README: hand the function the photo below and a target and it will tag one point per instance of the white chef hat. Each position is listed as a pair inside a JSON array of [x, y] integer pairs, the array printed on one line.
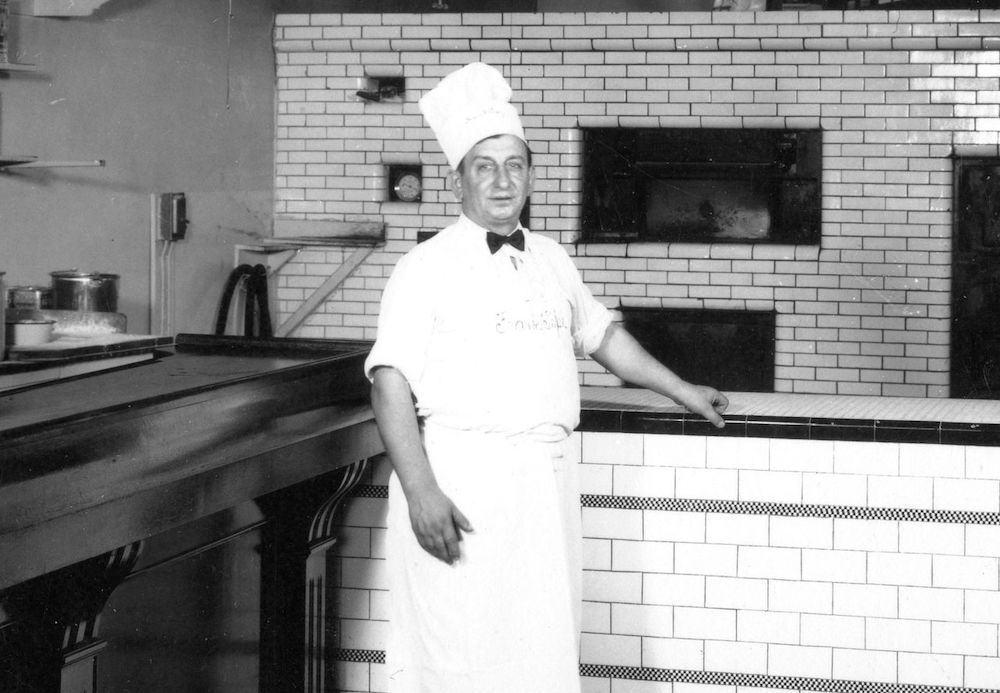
[[467, 106]]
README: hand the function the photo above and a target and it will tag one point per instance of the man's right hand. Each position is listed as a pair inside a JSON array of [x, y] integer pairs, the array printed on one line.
[[438, 524]]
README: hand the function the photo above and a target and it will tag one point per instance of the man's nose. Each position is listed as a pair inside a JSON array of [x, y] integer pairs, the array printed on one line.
[[502, 177]]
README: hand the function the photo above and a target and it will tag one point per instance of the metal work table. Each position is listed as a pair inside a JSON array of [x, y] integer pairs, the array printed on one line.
[[93, 467]]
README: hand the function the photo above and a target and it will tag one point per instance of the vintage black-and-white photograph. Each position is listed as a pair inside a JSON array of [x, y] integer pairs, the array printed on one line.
[[500, 346]]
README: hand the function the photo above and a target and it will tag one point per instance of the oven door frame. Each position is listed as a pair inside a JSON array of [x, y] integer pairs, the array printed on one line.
[[619, 163]]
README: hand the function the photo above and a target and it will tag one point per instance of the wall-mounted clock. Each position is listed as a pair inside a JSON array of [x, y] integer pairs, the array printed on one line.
[[405, 183]]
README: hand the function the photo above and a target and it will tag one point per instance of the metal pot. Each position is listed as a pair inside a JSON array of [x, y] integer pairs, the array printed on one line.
[[29, 332], [29, 297], [91, 291]]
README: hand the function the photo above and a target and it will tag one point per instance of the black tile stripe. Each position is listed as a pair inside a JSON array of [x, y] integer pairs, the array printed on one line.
[[716, 678], [625, 420], [788, 509]]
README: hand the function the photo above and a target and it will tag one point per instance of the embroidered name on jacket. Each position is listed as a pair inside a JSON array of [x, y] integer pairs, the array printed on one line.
[[537, 320]]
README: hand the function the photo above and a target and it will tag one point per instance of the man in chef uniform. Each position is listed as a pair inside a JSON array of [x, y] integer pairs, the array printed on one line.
[[475, 392]]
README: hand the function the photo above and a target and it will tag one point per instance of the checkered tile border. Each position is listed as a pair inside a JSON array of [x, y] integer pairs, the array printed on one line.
[[370, 491], [805, 683], [717, 678], [789, 509], [698, 505], [359, 656]]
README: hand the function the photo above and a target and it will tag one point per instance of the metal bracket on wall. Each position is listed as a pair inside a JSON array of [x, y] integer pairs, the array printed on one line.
[[294, 235], [351, 263]]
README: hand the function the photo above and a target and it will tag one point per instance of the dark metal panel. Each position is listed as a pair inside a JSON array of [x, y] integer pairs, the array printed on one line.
[[975, 293]]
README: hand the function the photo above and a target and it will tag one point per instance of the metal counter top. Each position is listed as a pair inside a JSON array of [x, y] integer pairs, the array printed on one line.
[[92, 463], [196, 363]]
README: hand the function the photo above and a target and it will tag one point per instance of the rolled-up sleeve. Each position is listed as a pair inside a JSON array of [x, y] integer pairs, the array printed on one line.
[[405, 321], [594, 325], [590, 317]]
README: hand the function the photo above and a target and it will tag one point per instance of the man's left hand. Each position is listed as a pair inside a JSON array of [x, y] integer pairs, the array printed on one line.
[[708, 402]]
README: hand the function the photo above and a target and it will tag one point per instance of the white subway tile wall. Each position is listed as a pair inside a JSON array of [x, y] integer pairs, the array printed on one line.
[[852, 599], [896, 94], [867, 312], [771, 594]]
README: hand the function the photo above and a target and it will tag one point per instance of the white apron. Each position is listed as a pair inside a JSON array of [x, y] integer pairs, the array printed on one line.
[[505, 617]]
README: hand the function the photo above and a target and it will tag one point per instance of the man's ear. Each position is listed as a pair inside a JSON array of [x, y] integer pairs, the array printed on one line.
[[455, 184]]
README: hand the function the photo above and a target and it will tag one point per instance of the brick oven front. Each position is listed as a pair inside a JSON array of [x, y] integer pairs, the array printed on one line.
[[865, 311]]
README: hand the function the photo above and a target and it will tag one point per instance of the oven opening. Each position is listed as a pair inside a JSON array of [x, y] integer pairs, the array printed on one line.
[[728, 349], [701, 185], [709, 203]]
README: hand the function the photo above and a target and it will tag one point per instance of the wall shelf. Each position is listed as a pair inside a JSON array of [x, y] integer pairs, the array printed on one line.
[[8, 163], [357, 240], [327, 232], [56, 8]]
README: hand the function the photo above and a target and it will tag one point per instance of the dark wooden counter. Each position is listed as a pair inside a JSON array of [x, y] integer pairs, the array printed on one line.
[[96, 462], [95, 465]]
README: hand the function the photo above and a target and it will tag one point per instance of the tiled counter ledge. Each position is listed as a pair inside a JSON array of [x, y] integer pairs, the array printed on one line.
[[815, 543], [801, 417]]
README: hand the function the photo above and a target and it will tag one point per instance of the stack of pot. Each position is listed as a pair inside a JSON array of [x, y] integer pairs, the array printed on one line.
[[26, 322]]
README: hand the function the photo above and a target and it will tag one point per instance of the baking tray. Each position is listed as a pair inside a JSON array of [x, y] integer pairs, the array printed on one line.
[[65, 347]]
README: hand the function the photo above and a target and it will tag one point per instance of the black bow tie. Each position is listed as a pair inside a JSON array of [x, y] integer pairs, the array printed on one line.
[[495, 240]]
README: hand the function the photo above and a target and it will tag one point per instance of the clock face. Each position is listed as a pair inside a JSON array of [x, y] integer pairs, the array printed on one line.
[[407, 187]]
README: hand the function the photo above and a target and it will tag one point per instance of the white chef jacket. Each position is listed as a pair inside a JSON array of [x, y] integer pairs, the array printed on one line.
[[488, 342]]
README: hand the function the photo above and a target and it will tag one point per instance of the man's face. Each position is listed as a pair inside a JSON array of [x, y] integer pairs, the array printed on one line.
[[494, 182]]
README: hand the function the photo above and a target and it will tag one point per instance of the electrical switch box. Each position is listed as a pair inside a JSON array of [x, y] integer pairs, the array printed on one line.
[[172, 216]]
